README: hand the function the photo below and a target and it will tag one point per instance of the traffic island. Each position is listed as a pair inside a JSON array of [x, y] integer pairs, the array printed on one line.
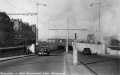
[[71, 69]]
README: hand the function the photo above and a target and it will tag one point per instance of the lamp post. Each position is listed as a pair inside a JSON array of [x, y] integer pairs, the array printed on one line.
[[37, 10], [99, 16], [67, 40]]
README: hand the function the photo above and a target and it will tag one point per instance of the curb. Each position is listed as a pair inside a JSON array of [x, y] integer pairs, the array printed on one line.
[[14, 57]]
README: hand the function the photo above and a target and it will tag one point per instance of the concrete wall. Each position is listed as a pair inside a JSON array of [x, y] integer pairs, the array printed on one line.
[[95, 48]]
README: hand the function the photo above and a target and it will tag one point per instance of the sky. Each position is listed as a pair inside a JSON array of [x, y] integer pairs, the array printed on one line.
[[78, 14]]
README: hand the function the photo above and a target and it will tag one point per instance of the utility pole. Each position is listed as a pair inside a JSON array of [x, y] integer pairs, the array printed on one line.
[[37, 10], [100, 27], [37, 17], [67, 40], [99, 3]]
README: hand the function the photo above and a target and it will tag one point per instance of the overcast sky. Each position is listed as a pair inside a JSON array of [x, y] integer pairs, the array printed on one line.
[[81, 14]]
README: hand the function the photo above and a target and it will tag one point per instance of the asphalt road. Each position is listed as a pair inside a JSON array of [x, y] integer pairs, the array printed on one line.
[[35, 64], [100, 65]]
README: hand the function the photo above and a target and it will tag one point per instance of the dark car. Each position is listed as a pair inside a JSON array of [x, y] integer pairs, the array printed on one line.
[[43, 51]]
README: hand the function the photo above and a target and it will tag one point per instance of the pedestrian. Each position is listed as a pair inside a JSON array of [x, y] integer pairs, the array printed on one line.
[[32, 48]]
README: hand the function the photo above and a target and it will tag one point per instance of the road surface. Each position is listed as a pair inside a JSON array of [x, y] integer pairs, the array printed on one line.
[[35, 64], [100, 65]]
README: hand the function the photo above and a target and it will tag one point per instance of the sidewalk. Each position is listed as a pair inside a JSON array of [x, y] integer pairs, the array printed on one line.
[[13, 57], [71, 69]]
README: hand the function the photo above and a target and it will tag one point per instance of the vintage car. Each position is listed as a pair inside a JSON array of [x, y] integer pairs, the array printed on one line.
[[43, 51]]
